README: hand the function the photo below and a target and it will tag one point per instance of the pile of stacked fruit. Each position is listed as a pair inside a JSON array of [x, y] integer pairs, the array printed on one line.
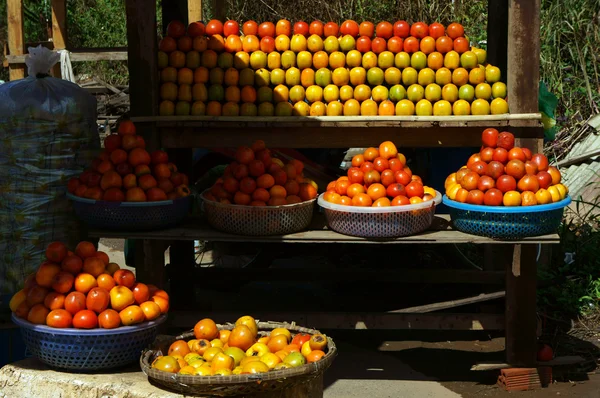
[[257, 179], [502, 174], [240, 350], [321, 69], [82, 289], [379, 177], [125, 171]]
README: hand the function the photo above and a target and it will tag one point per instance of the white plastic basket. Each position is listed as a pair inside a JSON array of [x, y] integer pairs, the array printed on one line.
[[380, 222]]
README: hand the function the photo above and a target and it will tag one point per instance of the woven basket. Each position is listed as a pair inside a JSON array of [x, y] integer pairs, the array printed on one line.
[[259, 221], [238, 385]]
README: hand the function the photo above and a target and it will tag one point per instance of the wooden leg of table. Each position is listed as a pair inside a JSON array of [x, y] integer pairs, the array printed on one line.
[[521, 320], [150, 262]]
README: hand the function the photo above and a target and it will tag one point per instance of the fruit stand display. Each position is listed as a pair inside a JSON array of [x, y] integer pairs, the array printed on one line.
[[231, 121]]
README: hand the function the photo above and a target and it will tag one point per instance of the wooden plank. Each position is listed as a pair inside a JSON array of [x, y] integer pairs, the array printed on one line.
[[193, 228], [497, 35], [194, 10], [523, 55], [402, 275], [59, 30], [89, 56], [450, 304], [354, 320], [578, 159], [558, 361], [16, 37], [521, 320]]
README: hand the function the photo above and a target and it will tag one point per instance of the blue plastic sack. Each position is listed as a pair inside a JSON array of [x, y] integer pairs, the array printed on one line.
[[48, 134]]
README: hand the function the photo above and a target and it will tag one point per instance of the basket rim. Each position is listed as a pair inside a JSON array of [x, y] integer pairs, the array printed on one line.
[[107, 203], [88, 332], [506, 209], [304, 370], [376, 210], [254, 208]]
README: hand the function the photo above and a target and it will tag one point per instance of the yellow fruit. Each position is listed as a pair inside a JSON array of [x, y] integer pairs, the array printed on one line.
[[499, 90], [424, 108], [461, 108], [409, 76], [498, 106], [405, 108], [450, 93], [483, 91], [442, 108], [480, 107], [301, 109], [335, 109]]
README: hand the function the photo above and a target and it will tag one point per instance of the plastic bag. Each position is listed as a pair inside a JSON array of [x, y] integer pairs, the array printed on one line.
[[48, 134]]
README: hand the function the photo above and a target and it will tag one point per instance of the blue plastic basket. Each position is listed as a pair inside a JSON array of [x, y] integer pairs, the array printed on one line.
[[508, 223], [88, 350], [130, 216]]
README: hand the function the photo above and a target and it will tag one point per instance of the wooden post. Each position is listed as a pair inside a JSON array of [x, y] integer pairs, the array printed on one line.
[[220, 9], [497, 34], [59, 29], [194, 10], [16, 38], [521, 320]]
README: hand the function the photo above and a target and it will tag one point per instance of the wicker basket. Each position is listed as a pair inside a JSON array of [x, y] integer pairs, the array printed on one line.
[[238, 385], [259, 221]]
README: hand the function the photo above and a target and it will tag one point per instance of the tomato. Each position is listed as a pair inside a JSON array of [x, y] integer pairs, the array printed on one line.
[[461, 195], [330, 29], [315, 356], [378, 45], [411, 45], [487, 154], [349, 27], [363, 44], [506, 140], [475, 197], [528, 183], [63, 282], [419, 30], [250, 28], [75, 302], [455, 30], [476, 157], [516, 153], [283, 27], [316, 28], [541, 161], [401, 29], [485, 183], [395, 44], [214, 27], [400, 200], [515, 168], [506, 183], [512, 198], [97, 299], [358, 160], [301, 28], [395, 164], [381, 164], [479, 167], [384, 29], [372, 177], [266, 29], [436, 30], [527, 153], [555, 173], [402, 177], [341, 187], [132, 315], [528, 199], [231, 27], [460, 174], [206, 329], [493, 197], [366, 28], [300, 339], [55, 301], [332, 197], [387, 177], [531, 167], [355, 189], [109, 319], [489, 137], [494, 169], [545, 353], [371, 153], [179, 347], [396, 189], [544, 179], [376, 191], [124, 277], [355, 175], [362, 200], [414, 188], [59, 319], [470, 181], [85, 319]]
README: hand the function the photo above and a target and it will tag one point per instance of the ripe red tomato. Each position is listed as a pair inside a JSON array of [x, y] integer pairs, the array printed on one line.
[[489, 137], [495, 169], [470, 181], [515, 168], [355, 175], [214, 27], [402, 177], [349, 27], [500, 155], [301, 28], [455, 30], [401, 29], [506, 183], [363, 44], [231, 27], [544, 179], [75, 302], [85, 319], [378, 45], [541, 161], [486, 183], [97, 299], [384, 29], [372, 177], [419, 30], [331, 29], [387, 177], [59, 319], [436, 30], [487, 154], [493, 197], [527, 153], [250, 28], [411, 45], [395, 164], [475, 197], [516, 153], [316, 28], [400, 200], [366, 28], [175, 29], [300, 339], [195, 29], [395, 189], [528, 183], [109, 319], [266, 29], [415, 188], [395, 44], [506, 140], [367, 166], [480, 167]]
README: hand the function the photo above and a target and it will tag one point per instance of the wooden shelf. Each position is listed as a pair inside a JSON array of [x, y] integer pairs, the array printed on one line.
[[196, 228], [337, 132]]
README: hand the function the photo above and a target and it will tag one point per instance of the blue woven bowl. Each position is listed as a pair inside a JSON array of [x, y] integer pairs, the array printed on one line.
[[508, 223], [88, 350], [130, 216]]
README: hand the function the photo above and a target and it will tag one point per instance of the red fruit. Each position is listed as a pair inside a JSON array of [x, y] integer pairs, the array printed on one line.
[[158, 157], [301, 28], [545, 353], [349, 27], [506, 140], [489, 137], [256, 168], [112, 142], [384, 30], [331, 29], [401, 29]]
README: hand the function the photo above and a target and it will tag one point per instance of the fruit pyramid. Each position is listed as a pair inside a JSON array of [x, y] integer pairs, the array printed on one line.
[[321, 69], [503, 174], [126, 172]]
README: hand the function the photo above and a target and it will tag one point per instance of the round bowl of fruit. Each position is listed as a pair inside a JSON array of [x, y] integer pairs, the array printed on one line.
[[506, 192], [259, 195], [127, 188], [80, 312], [239, 359], [379, 197]]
